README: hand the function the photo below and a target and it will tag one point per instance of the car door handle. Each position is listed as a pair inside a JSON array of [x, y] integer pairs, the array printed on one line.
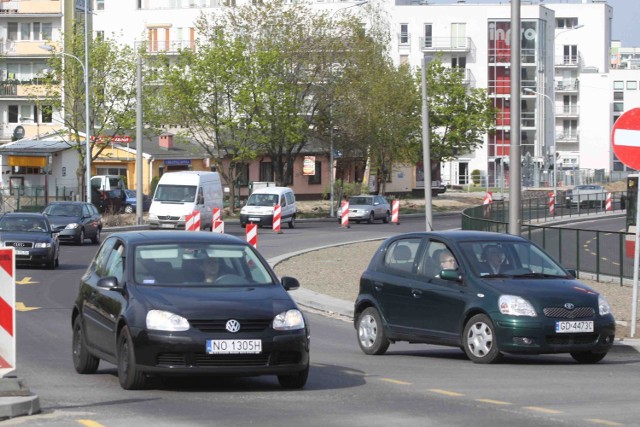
[[417, 293], [378, 286]]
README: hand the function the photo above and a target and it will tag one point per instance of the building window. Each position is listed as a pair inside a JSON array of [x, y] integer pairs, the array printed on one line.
[[242, 177], [618, 107], [404, 34], [266, 171], [47, 114], [13, 114], [618, 96], [25, 31], [36, 31], [99, 4], [632, 85], [566, 22], [47, 31], [317, 178], [618, 85], [428, 35]]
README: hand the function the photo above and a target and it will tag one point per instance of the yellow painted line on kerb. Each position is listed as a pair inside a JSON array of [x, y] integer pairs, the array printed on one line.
[[544, 410], [392, 381], [603, 422], [446, 392], [493, 402], [90, 423]]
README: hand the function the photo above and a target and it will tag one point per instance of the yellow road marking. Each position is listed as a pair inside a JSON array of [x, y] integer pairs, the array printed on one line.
[[90, 423], [25, 281], [603, 422], [545, 410], [495, 402], [21, 307], [446, 392], [389, 380]]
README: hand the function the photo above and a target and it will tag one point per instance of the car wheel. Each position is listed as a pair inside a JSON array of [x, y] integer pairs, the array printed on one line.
[[587, 357], [295, 381], [128, 209], [243, 224], [387, 217], [51, 265], [96, 239], [480, 341], [292, 223], [83, 362], [371, 218], [371, 335], [81, 238], [57, 260], [128, 374]]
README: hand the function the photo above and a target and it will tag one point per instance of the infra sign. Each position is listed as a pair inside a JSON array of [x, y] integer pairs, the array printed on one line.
[[625, 138]]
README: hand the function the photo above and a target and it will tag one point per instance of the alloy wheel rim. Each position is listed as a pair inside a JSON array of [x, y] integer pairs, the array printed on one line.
[[480, 339], [368, 331]]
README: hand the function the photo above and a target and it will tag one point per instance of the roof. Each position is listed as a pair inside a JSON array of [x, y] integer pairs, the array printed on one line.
[[47, 145]]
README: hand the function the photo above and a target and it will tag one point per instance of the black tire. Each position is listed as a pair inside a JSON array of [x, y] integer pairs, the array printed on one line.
[[292, 223], [129, 375], [83, 362], [387, 217], [371, 218], [480, 341], [588, 357], [80, 241], [372, 338], [243, 224], [294, 381], [51, 265], [96, 239]]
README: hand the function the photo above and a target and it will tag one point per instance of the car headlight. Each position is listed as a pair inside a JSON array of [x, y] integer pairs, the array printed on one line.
[[42, 245], [603, 305], [72, 226], [161, 320], [288, 321], [153, 217], [515, 306]]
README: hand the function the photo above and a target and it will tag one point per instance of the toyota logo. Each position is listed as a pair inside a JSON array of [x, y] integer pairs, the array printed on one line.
[[569, 306], [232, 325]]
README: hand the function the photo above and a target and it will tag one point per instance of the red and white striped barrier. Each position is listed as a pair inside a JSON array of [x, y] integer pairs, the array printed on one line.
[[192, 221], [488, 198], [216, 215], [395, 211], [7, 311], [608, 205], [344, 219], [218, 227], [552, 204], [252, 235], [277, 214]]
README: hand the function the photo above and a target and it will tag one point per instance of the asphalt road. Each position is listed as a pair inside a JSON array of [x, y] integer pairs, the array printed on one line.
[[410, 385]]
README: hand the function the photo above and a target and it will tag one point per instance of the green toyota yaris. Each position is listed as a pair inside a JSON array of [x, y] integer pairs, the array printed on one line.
[[487, 293]]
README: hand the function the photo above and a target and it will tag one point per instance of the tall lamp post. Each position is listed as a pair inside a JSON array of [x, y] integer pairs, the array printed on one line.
[[331, 159], [555, 160], [85, 71]]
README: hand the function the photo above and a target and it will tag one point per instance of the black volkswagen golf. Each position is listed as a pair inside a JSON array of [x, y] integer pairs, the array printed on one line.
[[180, 303]]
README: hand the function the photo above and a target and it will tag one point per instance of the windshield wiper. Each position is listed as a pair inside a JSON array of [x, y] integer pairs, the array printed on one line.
[[493, 276], [543, 275]]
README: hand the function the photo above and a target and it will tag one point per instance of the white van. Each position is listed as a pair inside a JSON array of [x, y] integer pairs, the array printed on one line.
[[259, 207], [178, 194]]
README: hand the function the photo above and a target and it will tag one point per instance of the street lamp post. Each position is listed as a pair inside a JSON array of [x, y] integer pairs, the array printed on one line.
[[555, 160], [331, 157]]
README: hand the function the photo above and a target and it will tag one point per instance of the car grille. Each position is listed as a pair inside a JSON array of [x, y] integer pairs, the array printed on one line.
[[563, 313], [571, 339], [230, 360], [217, 325], [19, 244], [168, 218]]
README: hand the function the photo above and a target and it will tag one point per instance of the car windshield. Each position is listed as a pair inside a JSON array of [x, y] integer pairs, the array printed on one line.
[[189, 264], [361, 201], [175, 193], [510, 259], [32, 225], [262, 200], [63, 210]]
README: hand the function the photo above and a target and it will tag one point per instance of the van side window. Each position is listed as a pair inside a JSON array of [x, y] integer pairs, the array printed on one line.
[[290, 198], [200, 200]]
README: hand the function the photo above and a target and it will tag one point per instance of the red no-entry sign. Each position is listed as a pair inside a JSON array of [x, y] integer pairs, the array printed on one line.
[[625, 138]]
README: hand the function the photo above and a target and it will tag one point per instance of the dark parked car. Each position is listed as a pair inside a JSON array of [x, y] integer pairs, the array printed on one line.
[[131, 202], [367, 208], [183, 303], [108, 201], [32, 237], [75, 221], [498, 294]]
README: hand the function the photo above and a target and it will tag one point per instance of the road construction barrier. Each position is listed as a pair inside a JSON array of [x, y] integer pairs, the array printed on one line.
[[216, 215], [344, 219], [395, 211], [192, 221], [608, 205], [252, 235], [7, 311], [486, 203], [218, 227], [277, 213], [552, 204]]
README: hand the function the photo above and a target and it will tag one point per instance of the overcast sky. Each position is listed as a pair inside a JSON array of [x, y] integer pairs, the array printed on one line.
[[626, 17]]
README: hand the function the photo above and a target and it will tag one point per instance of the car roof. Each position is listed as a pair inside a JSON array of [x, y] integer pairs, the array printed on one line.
[[167, 236], [464, 236], [25, 215], [67, 203]]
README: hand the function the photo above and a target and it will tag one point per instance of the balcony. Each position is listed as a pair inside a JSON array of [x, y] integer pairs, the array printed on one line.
[[446, 44], [30, 7], [567, 61], [569, 85], [167, 46], [568, 138], [467, 76], [568, 111]]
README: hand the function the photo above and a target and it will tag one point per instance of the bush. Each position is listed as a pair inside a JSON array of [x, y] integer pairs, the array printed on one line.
[[475, 176]]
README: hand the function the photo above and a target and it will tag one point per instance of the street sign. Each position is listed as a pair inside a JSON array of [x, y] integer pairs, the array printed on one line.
[[625, 138]]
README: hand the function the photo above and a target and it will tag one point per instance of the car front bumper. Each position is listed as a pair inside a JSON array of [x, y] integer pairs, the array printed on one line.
[[35, 256], [256, 219], [69, 234]]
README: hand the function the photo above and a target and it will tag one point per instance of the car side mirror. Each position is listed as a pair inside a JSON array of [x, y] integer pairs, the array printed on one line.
[[451, 275], [572, 272], [290, 283], [110, 283]]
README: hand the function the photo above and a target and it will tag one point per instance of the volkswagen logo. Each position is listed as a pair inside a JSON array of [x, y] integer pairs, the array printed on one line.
[[232, 325], [569, 306]]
